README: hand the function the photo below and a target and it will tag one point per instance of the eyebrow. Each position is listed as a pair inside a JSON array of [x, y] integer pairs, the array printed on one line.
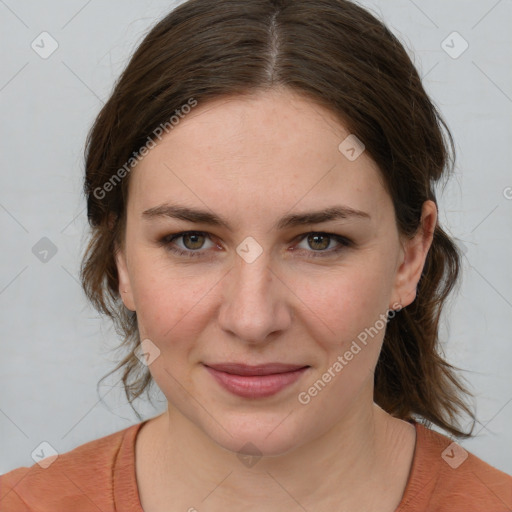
[[298, 219]]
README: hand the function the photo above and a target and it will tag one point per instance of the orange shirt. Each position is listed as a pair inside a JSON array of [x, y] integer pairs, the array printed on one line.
[[100, 476]]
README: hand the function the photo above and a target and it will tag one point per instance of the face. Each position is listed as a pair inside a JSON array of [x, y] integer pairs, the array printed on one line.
[[295, 258]]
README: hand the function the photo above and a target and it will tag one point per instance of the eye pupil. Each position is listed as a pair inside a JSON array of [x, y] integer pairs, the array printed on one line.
[[316, 239], [193, 237]]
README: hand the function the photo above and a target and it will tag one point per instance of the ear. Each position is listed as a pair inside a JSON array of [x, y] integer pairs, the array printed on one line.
[[125, 288], [413, 256]]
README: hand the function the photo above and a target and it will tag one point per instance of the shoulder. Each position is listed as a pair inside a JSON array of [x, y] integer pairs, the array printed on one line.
[[81, 479], [445, 477]]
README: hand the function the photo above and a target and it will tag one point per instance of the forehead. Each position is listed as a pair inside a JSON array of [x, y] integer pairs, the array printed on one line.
[[272, 150]]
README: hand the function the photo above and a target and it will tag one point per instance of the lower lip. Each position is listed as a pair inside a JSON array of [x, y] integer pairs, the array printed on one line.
[[256, 386]]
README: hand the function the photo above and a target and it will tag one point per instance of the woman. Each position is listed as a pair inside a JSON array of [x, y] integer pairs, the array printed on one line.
[[260, 188]]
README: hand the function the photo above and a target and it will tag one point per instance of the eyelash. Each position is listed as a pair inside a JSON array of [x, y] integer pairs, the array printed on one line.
[[167, 241]]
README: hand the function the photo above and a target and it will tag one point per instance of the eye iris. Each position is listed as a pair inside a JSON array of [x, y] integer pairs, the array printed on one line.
[[315, 239], [193, 237]]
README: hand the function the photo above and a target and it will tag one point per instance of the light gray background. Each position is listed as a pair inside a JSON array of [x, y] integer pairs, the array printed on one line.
[[54, 346]]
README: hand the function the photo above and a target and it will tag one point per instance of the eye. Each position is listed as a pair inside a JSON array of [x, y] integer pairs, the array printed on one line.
[[321, 243], [191, 242]]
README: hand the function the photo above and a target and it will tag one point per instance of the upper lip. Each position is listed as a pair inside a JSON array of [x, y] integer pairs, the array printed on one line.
[[261, 369]]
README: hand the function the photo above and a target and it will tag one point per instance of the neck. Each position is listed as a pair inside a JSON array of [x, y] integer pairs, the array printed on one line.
[[338, 468]]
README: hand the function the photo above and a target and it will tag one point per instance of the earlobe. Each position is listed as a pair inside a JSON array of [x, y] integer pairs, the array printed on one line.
[[125, 289], [414, 254]]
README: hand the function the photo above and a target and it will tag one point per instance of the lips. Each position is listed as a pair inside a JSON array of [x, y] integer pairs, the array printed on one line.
[[262, 369], [255, 382]]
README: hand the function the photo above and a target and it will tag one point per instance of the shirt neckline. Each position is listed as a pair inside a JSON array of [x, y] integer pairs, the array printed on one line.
[[126, 492], [418, 475], [125, 489]]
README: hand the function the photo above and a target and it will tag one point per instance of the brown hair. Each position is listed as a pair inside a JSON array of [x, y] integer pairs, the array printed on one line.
[[339, 55]]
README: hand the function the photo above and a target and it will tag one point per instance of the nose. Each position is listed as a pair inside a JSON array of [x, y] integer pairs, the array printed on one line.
[[254, 302]]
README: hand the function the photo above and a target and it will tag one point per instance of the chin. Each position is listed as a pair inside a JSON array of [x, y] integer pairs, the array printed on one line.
[[253, 437]]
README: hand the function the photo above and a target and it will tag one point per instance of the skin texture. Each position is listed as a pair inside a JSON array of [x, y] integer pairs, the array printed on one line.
[[253, 160]]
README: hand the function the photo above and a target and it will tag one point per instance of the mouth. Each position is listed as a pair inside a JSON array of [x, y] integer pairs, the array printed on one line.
[[258, 381], [261, 369]]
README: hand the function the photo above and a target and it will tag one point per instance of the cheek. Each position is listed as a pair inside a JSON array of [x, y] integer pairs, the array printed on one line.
[[171, 301], [352, 306], [171, 313], [341, 304], [167, 306]]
